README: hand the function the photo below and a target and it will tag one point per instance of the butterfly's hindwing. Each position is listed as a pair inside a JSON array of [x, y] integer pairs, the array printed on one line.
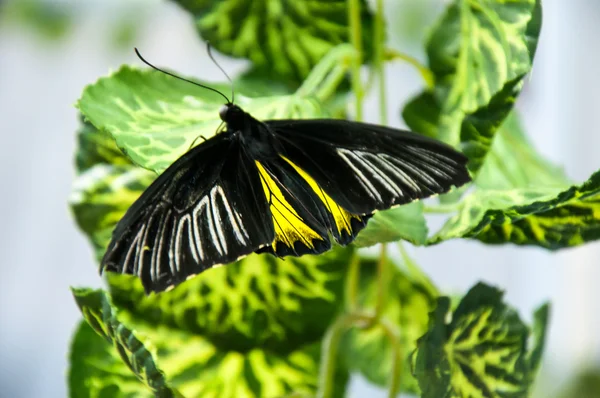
[[298, 220], [203, 211], [365, 167], [303, 214], [341, 223]]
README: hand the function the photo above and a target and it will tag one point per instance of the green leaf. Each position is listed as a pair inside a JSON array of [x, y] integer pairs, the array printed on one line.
[[370, 351], [96, 370], [512, 162], [103, 318], [201, 368], [287, 37], [154, 118], [94, 147], [551, 217], [570, 219], [278, 304], [541, 318], [477, 207], [100, 197], [192, 364], [422, 114], [259, 82], [482, 352], [479, 53], [405, 222]]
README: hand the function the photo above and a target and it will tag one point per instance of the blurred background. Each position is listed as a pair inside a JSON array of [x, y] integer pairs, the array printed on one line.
[[49, 50]]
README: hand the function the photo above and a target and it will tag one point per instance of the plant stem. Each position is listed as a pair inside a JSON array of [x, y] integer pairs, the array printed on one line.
[[380, 61], [382, 282], [356, 40], [394, 339], [351, 288], [425, 72], [390, 331], [330, 348], [382, 279]]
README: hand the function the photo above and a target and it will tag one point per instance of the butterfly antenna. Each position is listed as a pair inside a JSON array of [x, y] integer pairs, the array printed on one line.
[[222, 70], [181, 78]]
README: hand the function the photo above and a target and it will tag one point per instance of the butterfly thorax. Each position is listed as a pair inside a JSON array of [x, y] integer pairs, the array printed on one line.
[[254, 135]]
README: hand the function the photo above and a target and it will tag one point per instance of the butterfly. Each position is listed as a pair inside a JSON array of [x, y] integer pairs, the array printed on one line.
[[285, 187]]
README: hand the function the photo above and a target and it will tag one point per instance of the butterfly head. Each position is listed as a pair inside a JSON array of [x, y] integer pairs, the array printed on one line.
[[233, 115]]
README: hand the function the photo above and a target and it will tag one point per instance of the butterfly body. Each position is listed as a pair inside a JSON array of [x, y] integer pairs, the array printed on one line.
[[286, 187]]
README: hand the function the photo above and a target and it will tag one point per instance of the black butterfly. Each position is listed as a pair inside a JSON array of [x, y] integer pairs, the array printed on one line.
[[279, 186]]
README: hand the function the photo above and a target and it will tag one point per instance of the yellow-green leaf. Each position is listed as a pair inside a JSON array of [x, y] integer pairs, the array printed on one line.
[[260, 300], [103, 318], [286, 37], [405, 222], [479, 53], [570, 219], [171, 362], [96, 369], [551, 217], [100, 197], [513, 162], [155, 118], [484, 351], [95, 147]]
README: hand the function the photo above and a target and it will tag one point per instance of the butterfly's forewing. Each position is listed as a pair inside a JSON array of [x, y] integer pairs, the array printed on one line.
[[206, 209], [365, 167]]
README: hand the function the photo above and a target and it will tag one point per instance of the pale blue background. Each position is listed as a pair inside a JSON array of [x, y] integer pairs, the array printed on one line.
[[42, 253]]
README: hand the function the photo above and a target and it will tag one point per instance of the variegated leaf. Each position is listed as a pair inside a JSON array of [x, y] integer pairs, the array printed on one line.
[[405, 222], [96, 369], [100, 197], [259, 300], [513, 162], [287, 38], [551, 217], [483, 351], [169, 362], [479, 53], [102, 317], [96, 147], [155, 118]]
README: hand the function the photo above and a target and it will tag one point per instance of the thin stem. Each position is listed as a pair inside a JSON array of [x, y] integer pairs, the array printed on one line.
[[351, 287], [356, 40], [330, 348], [382, 282], [395, 377], [380, 61], [425, 72]]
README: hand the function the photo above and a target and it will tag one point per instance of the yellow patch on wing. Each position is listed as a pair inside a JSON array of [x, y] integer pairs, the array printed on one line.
[[341, 216], [289, 226]]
